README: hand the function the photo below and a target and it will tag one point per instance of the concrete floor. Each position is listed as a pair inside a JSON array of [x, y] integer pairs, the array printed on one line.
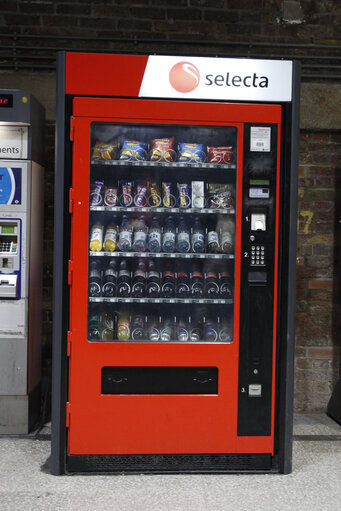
[[315, 484]]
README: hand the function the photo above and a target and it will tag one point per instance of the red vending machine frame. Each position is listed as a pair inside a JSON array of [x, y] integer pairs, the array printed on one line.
[[245, 424]]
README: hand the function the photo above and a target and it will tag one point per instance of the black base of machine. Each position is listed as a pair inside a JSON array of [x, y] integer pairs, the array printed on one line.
[[169, 463], [334, 405]]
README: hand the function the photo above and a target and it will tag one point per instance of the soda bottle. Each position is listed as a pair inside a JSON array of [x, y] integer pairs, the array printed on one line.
[[225, 285], [182, 331], [153, 281], [212, 284], [139, 280], [137, 327], [197, 282], [140, 235], [154, 236], [168, 282], [198, 237], [210, 331], [168, 241], [213, 245], [107, 333], [110, 238], [182, 289], [125, 235], [94, 279], [153, 328], [226, 331], [183, 241], [227, 242], [123, 327], [96, 238], [94, 327], [110, 279], [195, 330], [123, 280], [167, 329]]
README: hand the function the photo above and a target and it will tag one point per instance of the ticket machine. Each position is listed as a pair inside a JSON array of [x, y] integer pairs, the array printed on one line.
[[21, 237]]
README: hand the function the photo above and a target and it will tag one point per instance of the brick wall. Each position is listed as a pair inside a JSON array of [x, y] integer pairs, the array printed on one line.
[[272, 20], [318, 314]]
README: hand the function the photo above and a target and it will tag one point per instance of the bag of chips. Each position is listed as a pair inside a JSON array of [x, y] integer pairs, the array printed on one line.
[[219, 196], [103, 151], [162, 149], [191, 152], [133, 150], [223, 154]]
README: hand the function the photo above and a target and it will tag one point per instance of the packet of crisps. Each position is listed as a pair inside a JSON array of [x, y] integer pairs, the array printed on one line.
[[191, 152], [103, 151], [162, 149], [220, 196], [223, 154], [133, 151]]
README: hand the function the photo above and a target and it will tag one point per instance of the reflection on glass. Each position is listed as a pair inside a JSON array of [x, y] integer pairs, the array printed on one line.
[[161, 233]]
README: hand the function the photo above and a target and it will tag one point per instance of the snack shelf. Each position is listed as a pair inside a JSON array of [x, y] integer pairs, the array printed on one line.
[[206, 301], [176, 164], [135, 209], [162, 255]]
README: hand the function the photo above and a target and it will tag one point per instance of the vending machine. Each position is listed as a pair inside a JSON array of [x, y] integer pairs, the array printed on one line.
[[175, 240], [21, 238]]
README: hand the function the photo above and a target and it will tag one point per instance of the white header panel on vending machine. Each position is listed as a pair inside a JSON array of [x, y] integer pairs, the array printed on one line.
[[217, 79]]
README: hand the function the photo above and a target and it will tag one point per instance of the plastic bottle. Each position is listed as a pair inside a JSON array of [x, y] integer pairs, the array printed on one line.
[[195, 330], [167, 329], [107, 333], [125, 235], [182, 288], [95, 279], [137, 327], [213, 245], [153, 281], [225, 285], [154, 236], [139, 280], [123, 280], [140, 235], [96, 238], [123, 327], [110, 238], [109, 288], [212, 284], [227, 242], [198, 237], [168, 281], [183, 241], [153, 328], [182, 331], [94, 327], [226, 331], [168, 241], [210, 331], [197, 282]]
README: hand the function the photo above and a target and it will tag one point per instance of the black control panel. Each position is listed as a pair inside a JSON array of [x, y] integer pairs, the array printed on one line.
[[257, 279]]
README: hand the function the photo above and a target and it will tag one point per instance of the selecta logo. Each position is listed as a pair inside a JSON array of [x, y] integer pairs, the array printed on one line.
[[184, 77]]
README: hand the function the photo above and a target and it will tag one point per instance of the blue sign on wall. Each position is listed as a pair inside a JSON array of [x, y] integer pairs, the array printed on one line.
[[10, 185]]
